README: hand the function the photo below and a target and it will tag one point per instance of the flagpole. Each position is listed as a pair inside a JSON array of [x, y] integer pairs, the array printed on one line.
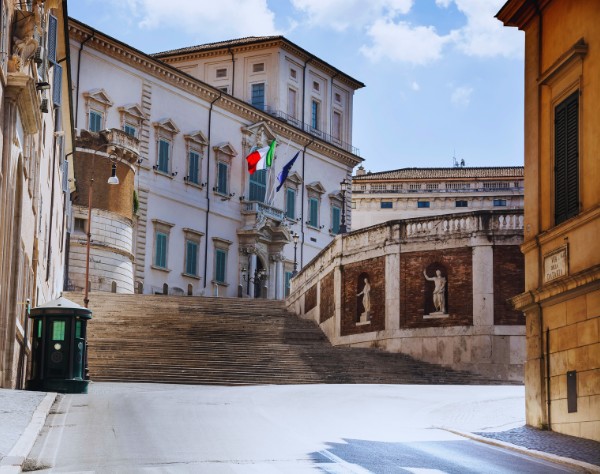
[[270, 196]]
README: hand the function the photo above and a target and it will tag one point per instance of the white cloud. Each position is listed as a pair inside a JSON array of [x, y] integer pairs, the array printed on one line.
[[415, 86], [443, 3], [461, 96], [484, 35], [224, 19], [403, 42], [342, 14]]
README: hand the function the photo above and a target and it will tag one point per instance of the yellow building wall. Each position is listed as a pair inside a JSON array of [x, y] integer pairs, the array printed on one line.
[[563, 315]]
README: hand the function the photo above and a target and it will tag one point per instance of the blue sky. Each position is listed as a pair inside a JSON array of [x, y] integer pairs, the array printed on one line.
[[442, 77]]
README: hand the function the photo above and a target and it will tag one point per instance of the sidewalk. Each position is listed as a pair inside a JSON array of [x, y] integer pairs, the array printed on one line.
[[22, 416]]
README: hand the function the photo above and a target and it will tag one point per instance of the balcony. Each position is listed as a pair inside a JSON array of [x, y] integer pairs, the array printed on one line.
[[258, 208], [278, 114], [118, 139]]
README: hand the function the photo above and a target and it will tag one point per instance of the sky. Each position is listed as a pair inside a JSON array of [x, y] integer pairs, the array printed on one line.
[[444, 78]]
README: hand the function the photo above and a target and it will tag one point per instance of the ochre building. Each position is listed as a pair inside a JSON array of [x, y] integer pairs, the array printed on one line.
[[562, 212]]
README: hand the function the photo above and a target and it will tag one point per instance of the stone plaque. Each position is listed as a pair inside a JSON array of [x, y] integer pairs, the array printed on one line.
[[556, 264]]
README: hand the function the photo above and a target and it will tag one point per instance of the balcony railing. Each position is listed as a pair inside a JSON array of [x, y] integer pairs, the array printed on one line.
[[264, 209], [442, 190], [313, 131], [119, 139]]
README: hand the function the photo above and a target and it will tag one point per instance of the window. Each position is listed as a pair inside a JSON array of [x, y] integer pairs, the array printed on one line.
[[378, 187], [293, 73], [314, 117], [423, 204], [80, 225], [316, 86], [462, 204], [386, 205], [95, 124], [499, 202], [431, 186], [291, 105], [336, 129], [458, 185], [336, 213], [338, 98], [313, 207], [396, 187], [58, 330], [566, 159], [258, 67], [414, 187], [290, 203], [160, 251], [193, 175], [222, 178], [258, 186], [130, 130], [191, 257], [258, 96], [220, 265], [163, 155], [221, 73]]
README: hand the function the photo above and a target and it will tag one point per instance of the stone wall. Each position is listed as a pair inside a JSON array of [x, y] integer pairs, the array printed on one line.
[[479, 262]]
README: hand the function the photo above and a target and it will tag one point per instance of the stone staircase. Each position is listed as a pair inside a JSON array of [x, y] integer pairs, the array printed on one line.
[[230, 341]]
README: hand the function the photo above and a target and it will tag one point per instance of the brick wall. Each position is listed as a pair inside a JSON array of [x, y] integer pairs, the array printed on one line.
[[310, 299], [353, 281], [416, 292], [509, 281], [327, 304]]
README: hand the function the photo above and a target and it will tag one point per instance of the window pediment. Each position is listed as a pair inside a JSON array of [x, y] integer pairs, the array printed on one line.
[[259, 134], [226, 149], [294, 178], [133, 111], [166, 125], [315, 188], [100, 96], [196, 138]]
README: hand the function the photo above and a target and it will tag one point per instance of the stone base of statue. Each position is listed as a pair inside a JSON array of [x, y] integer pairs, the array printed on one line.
[[364, 319], [436, 315]]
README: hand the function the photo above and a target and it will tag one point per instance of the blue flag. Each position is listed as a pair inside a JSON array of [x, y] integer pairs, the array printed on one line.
[[281, 177]]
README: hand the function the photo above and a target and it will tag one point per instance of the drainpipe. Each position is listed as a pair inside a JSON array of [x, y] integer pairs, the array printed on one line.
[[304, 92], [78, 72], [208, 187], [232, 72], [302, 223]]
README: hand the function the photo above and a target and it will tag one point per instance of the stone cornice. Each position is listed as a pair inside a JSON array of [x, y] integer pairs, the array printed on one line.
[[520, 12], [171, 75]]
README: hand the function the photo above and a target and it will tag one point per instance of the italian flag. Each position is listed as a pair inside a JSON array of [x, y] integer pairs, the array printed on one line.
[[261, 158]]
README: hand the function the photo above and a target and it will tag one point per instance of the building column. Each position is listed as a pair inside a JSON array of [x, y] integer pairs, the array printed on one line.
[[279, 290], [483, 285], [251, 270]]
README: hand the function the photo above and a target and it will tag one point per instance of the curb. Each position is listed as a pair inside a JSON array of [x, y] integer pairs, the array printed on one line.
[[587, 467], [13, 461]]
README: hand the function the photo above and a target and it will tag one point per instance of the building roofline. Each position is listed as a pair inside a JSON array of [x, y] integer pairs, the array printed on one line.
[[212, 92], [450, 172], [252, 41]]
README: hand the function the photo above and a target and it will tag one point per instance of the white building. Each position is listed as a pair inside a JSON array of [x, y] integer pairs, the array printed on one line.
[[204, 225], [423, 192]]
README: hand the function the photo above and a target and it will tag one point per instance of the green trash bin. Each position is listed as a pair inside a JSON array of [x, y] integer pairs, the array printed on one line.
[[59, 347]]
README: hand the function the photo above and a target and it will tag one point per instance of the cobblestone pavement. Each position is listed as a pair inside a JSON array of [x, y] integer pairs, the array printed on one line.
[[550, 442], [16, 409]]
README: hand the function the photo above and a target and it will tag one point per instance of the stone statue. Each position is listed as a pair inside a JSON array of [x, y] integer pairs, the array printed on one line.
[[366, 301], [25, 39], [439, 296]]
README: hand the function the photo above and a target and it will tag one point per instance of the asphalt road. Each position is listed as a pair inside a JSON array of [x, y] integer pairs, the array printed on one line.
[[147, 428]]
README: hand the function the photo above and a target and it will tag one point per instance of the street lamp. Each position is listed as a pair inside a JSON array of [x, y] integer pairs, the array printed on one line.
[[295, 237], [344, 187]]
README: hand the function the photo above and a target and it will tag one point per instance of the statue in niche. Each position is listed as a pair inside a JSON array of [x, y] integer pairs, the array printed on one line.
[[439, 296], [365, 316]]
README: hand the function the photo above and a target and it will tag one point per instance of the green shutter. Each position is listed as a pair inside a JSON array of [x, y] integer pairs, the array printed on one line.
[[335, 219], [220, 265], [191, 264], [193, 167], [566, 156], [290, 210], [222, 172], [160, 258], [258, 186], [314, 212], [163, 156]]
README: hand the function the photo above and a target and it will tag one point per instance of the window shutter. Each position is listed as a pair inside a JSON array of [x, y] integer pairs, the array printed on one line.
[[161, 250], [222, 179], [566, 156], [291, 204], [220, 266], [314, 212], [57, 85], [335, 218], [192, 258], [52, 38]]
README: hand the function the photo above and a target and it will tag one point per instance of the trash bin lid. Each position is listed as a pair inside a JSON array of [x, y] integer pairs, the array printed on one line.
[[61, 306]]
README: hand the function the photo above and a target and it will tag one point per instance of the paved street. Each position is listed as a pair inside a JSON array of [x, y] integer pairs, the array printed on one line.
[[124, 428]]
